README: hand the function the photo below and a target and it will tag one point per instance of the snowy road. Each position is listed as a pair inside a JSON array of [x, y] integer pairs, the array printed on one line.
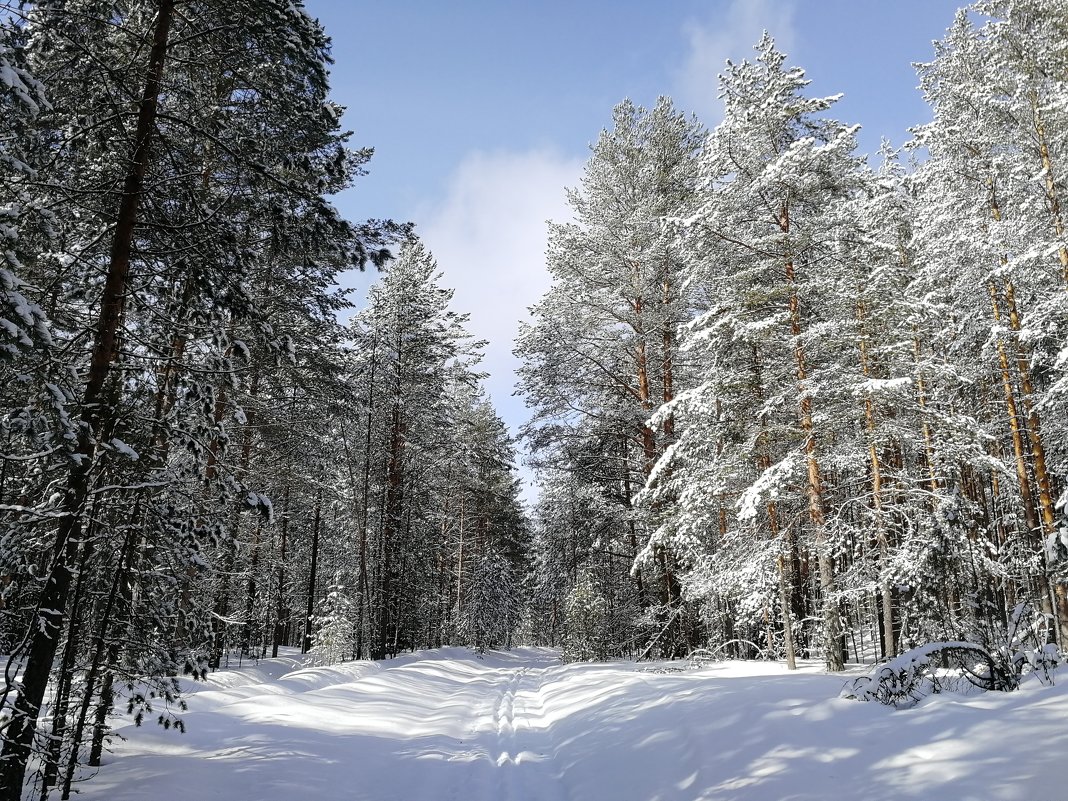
[[448, 726]]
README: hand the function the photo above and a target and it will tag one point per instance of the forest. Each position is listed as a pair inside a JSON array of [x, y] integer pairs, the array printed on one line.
[[786, 401]]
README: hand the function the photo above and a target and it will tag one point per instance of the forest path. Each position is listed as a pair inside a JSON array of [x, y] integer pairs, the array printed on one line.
[[449, 725]]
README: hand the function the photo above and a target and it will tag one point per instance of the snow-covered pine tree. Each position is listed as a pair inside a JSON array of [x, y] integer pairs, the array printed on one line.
[[601, 353], [425, 488], [1023, 42], [576, 527], [490, 610], [586, 636], [489, 542], [334, 638], [36, 414], [754, 432], [989, 214], [421, 347]]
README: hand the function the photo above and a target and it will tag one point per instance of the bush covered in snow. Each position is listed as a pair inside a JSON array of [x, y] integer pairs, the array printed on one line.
[[939, 666]]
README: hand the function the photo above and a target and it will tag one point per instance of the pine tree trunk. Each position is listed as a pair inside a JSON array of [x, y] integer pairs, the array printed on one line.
[[313, 572], [786, 578], [251, 589], [394, 510], [1053, 200], [441, 567], [103, 659], [1015, 429], [281, 623], [645, 397], [1031, 517], [921, 399], [361, 577], [670, 591], [223, 599], [881, 535], [1046, 503], [787, 569], [1053, 599], [460, 568], [787, 616], [667, 334], [832, 624], [632, 526], [51, 608], [61, 701], [1043, 482]]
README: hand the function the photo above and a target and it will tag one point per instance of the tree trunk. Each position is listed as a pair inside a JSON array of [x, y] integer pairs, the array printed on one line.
[[881, 535], [832, 624], [1046, 503], [1043, 482], [667, 335], [787, 617], [361, 578], [61, 701], [460, 568], [1053, 200], [313, 572], [1031, 517], [1015, 429], [632, 526], [103, 658], [281, 623], [1054, 599], [921, 399], [392, 523], [786, 541], [250, 592], [222, 600], [670, 591]]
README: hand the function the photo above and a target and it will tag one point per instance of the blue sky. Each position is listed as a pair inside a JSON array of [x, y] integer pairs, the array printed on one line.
[[482, 111]]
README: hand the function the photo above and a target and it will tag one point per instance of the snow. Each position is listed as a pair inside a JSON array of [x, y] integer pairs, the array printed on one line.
[[124, 449], [447, 724], [768, 483], [875, 385]]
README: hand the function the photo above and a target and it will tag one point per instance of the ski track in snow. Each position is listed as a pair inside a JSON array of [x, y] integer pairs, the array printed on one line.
[[448, 725]]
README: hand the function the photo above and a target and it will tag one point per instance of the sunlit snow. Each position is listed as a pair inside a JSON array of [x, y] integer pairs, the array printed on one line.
[[447, 724]]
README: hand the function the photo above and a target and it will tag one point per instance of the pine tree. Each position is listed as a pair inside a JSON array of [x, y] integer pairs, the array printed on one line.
[[333, 626], [775, 176], [985, 153], [601, 353]]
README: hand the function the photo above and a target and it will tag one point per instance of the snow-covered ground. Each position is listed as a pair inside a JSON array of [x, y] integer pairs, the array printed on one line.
[[447, 725]]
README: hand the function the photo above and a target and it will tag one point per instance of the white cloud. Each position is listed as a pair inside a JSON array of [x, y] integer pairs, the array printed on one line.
[[488, 235], [732, 35]]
